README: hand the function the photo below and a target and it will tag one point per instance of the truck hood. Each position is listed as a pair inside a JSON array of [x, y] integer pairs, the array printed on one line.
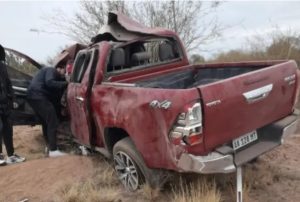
[[121, 28]]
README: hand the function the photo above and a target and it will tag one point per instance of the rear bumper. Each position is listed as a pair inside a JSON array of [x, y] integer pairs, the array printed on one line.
[[225, 160]]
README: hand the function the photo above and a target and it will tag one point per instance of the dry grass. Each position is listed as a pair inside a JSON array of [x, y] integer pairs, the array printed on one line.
[[88, 191], [200, 189], [148, 193], [105, 175], [105, 187], [102, 187]]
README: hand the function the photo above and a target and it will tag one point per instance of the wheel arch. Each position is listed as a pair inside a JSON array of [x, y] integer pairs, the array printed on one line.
[[112, 135]]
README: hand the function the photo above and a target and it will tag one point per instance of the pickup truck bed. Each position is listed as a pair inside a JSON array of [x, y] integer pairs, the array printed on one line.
[[193, 77], [198, 75], [240, 98]]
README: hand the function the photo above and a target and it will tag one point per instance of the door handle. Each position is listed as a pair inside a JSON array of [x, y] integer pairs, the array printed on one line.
[[258, 94], [79, 99]]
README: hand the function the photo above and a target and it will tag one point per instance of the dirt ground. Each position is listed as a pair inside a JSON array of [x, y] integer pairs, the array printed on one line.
[[277, 174], [274, 177]]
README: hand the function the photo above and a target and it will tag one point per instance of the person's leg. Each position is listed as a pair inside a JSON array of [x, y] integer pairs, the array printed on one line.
[[8, 135], [46, 111], [1, 131], [44, 129], [2, 157], [39, 107], [8, 141], [52, 124]]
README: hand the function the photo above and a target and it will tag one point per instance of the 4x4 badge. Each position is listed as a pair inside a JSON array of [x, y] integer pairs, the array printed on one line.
[[213, 103], [166, 104]]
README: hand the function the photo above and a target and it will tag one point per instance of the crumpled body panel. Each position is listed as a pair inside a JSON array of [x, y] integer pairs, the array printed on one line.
[[121, 28], [129, 108]]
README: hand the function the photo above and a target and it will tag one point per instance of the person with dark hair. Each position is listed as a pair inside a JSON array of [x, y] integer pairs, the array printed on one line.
[[6, 103], [43, 95]]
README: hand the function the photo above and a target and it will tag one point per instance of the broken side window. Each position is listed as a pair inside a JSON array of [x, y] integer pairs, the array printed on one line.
[[143, 54]]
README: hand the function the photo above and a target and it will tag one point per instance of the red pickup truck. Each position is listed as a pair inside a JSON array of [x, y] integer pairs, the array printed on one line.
[[134, 97]]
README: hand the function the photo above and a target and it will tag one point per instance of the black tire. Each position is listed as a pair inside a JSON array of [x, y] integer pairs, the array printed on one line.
[[143, 174]]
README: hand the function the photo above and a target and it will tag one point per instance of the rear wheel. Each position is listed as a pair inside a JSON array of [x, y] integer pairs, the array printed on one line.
[[132, 170], [128, 164], [127, 171]]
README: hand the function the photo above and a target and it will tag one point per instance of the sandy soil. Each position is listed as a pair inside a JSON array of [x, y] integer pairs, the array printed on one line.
[[39, 178], [278, 174], [274, 177]]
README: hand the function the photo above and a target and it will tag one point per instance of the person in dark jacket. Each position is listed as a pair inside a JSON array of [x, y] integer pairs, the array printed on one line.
[[6, 103], [43, 94]]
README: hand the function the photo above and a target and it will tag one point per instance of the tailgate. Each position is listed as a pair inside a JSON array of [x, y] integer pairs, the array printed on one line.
[[238, 105]]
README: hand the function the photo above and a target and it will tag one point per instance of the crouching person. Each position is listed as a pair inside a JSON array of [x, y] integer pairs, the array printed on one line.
[[6, 103], [44, 89]]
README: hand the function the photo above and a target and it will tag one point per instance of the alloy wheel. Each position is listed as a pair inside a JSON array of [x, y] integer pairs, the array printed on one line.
[[127, 171]]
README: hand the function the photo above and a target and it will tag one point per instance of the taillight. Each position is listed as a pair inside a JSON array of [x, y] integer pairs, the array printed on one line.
[[187, 129]]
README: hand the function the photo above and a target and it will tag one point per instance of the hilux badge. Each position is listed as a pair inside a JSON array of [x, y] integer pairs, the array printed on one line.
[[161, 105]]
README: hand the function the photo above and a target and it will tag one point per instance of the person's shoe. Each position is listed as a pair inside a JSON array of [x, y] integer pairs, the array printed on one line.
[[2, 160], [14, 159], [56, 153]]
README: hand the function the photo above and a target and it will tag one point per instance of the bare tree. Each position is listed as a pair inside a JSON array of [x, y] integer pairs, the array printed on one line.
[[194, 21], [86, 22]]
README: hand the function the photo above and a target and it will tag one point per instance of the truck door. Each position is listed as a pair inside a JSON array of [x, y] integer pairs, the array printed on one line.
[[21, 68], [78, 95]]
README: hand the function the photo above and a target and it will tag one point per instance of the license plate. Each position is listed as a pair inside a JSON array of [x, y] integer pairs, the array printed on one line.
[[244, 140]]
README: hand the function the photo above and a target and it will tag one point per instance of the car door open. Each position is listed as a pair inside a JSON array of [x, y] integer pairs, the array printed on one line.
[[21, 69], [78, 96]]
